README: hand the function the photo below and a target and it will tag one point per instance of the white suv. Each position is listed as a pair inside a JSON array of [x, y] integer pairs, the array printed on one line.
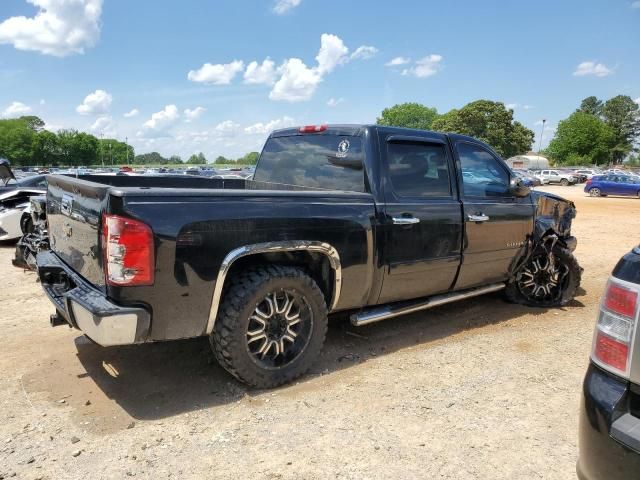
[[556, 176]]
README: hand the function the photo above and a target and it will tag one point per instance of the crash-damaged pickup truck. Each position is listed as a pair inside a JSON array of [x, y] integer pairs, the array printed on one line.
[[370, 220]]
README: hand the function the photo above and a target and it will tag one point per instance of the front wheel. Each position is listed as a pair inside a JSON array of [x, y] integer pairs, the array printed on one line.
[[271, 326], [546, 280], [595, 192], [564, 182]]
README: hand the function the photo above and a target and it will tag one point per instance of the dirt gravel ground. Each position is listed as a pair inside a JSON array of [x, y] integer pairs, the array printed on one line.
[[479, 389]]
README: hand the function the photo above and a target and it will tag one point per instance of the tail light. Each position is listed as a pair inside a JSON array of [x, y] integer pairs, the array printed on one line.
[[616, 327], [312, 128], [128, 251]]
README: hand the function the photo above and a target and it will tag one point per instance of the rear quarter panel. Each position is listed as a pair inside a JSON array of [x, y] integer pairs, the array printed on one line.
[[214, 225]]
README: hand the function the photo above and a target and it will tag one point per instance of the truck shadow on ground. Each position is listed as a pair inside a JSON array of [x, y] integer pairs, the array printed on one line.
[[160, 380]]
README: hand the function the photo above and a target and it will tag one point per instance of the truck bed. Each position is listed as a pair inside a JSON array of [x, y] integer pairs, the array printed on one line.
[[196, 222]]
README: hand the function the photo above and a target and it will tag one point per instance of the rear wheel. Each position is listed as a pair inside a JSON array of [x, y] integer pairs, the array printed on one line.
[[595, 192], [546, 280], [271, 326], [564, 182]]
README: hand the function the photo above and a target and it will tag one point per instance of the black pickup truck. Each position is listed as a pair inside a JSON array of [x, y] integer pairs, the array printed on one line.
[[372, 220]]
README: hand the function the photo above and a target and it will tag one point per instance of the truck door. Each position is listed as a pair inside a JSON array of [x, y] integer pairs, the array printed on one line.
[[496, 222], [423, 216]]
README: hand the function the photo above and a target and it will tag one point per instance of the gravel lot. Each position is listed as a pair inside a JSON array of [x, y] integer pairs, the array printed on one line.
[[478, 389]]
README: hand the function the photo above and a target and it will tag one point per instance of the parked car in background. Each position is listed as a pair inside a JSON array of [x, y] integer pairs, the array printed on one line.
[[589, 172], [612, 184], [580, 177], [609, 439], [557, 177], [527, 179], [8, 181]]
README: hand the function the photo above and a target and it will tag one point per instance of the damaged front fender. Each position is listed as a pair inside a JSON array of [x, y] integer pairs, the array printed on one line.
[[554, 215]]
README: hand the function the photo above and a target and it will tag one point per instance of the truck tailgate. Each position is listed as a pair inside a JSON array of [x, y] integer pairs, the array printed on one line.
[[74, 209]]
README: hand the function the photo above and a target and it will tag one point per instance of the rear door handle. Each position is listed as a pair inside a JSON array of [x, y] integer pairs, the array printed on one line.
[[405, 220], [481, 217]]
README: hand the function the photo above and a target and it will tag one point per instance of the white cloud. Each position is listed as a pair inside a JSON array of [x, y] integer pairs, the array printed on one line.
[[103, 125], [265, 128], [592, 68], [192, 114], [226, 128], [60, 27], [637, 100], [512, 106], [635, 4], [16, 109], [528, 107], [264, 73], [397, 61], [364, 52], [132, 113], [333, 52], [219, 74], [163, 119], [283, 6], [42, 101], [425, 67], [97, 102], [334, 102], [297, 82]]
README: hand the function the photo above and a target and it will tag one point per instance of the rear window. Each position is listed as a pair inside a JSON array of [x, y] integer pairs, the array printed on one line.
[[333, 162]]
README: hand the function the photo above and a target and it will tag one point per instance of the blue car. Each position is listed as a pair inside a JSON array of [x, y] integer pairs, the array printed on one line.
[[613, 184]]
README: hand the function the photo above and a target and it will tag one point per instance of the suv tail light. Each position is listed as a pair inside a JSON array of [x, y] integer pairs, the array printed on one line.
[[128, 251], [616, 327]]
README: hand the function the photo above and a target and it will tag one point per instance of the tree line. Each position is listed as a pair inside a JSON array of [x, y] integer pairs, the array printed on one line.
[[596, 133], [25, 141]]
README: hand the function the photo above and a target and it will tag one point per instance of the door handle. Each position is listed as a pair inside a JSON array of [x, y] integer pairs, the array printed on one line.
[[405, 220], [481, 217]]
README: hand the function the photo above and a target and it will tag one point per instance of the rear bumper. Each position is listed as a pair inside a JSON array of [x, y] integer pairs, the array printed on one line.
[[609, 434], [88, 309]]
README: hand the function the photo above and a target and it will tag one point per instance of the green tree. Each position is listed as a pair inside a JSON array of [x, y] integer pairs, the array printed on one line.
[[77, 148], [408, 115], [18, 139], [175, 159], [250, 158], [151, 158], [582, 138], [222, 160], [112, 151], [198, 159], [490, 122], [591, 105], [46, 150], [622, 114]]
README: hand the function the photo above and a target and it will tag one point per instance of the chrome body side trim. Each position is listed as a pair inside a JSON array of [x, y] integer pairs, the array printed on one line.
[[394, 310], [269, 247]]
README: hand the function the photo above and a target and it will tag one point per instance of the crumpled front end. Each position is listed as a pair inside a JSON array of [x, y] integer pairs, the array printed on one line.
[[554, 215]]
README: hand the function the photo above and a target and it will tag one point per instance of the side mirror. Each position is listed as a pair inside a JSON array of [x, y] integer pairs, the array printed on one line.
[[517, 188]]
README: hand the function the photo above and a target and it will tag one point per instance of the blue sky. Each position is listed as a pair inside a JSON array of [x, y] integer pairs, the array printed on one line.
[[179, 77]]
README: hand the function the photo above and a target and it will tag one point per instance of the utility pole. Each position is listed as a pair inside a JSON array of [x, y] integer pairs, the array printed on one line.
[[111, 154], [102, 148], [126, 142], [541, 134]]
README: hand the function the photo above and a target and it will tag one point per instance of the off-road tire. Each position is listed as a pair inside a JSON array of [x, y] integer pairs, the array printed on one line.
[[229, 337], [572, 283]]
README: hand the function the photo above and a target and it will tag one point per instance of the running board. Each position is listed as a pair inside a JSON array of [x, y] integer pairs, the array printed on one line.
[[376, 314]]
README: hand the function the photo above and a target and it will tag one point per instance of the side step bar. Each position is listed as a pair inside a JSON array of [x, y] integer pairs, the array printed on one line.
[[376, 314]]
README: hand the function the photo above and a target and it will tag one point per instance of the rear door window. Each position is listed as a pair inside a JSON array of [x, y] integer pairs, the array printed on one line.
[[418, 169], [333, 162]]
